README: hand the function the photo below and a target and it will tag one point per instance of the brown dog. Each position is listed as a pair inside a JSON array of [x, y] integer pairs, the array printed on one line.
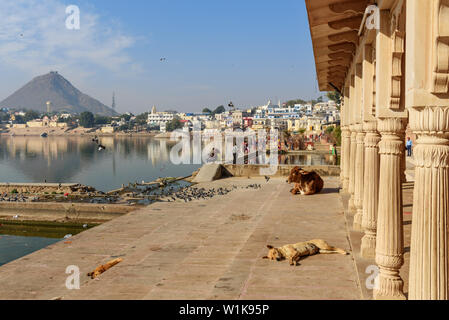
[[99, 270], [294, 252], [306, 183]]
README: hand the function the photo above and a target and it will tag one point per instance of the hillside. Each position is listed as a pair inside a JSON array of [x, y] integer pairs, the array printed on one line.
[[62, 94]]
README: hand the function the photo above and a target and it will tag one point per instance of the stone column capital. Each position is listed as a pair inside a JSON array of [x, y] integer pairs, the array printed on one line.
[[370, 126], [391, 125]]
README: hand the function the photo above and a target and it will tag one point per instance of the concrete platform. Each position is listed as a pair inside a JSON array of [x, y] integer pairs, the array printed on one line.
[[209, 249]]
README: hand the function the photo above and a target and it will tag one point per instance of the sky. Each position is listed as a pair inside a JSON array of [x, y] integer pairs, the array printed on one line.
[[214, 51]]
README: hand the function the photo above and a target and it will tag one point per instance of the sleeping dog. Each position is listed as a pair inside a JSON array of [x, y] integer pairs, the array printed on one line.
[[294, 252]]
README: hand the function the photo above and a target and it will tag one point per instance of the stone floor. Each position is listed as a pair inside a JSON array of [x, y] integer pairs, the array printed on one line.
[[209, 249]]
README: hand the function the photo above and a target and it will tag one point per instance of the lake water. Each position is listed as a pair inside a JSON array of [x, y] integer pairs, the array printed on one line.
[[77, 160], [19, 239]]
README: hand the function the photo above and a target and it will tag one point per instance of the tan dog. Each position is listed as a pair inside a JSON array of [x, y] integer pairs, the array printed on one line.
[[306, 183], [99, 270], [294, 252]]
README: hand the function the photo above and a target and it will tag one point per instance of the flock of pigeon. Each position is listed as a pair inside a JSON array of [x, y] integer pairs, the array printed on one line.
[[16, 198], [192, 193]]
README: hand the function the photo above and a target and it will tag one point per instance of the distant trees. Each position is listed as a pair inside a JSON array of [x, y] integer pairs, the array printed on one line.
[[101, 120], [142, 119], [291, 103], [31, 115], [126, 117], [335, 96], [4, 116], [87, 119], [334, 134], [174, 124], [20, 119], [219, 110]]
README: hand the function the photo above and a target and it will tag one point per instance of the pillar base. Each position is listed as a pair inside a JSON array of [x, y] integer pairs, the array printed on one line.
[[368, 247], [351, 206], [392, 298], [357, 224], [390, 286]]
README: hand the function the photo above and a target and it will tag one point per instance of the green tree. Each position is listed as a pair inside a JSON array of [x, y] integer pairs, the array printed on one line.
[[329, 129], [335, 96], [207, 110], [174, 124], [99, 120], [4, 116], [142, 119], [87, 119], [219, 110], [126, 117], [31, 115], [291, 103]]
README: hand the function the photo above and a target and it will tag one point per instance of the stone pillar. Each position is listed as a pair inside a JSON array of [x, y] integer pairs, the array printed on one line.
[[370, 190], [351, 204], [390, 238], [359, 172], [429, 255], [403, 162], [346, 156]]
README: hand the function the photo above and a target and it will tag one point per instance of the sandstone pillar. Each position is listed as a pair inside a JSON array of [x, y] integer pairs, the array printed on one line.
[[429, 256], [359, 172], [346, 156], [390, 242], [371, 190], [351, 204]]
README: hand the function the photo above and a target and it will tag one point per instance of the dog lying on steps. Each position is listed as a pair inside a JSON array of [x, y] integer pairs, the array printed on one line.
[[294, 252]]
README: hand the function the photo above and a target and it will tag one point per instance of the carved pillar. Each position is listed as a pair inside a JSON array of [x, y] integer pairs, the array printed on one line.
[[390, 242], [359, 172], [428, 105], [371, 190], [346, 156], [351, 204], [403, 162], [429, 256]]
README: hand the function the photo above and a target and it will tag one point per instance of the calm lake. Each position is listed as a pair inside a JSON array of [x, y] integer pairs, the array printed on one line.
[[77, 160]]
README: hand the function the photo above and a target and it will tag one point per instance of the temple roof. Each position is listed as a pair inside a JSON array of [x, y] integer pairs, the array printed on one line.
[[334, 26]]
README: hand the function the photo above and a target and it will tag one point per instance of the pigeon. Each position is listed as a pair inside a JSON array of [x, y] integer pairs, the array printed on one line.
[[163, 59], [16, 216], [84, 226], [267, 178], [67, 236], [101, 147]]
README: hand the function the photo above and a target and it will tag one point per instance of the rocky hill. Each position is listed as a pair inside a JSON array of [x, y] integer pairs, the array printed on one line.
[[63, 95]]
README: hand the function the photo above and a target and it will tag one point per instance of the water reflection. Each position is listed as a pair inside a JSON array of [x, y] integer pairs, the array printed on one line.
[[77, 159], [126, 159]]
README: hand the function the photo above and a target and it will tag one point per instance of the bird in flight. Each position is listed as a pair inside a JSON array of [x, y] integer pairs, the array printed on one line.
[[163, 59]]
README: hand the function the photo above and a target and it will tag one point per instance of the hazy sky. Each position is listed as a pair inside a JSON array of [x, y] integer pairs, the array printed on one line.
[[247, 51]]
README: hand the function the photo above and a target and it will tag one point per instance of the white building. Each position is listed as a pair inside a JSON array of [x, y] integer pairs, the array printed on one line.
[[159, 118]]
